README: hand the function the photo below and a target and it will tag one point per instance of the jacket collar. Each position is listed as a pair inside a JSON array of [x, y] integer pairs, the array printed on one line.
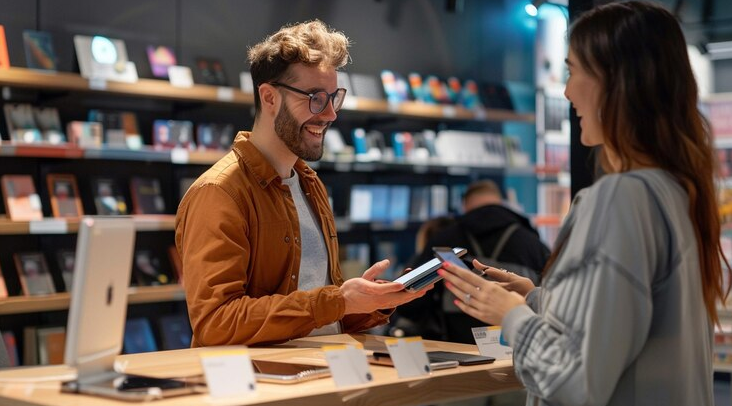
[[256, 163]]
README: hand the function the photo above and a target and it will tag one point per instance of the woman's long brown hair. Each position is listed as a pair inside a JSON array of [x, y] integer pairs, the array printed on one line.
[[649, 114]]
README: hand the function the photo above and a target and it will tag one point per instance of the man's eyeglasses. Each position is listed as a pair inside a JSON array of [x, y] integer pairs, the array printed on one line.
[[318, 100]]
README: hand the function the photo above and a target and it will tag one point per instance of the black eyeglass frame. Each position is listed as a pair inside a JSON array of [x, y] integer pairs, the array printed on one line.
[[331, 96]]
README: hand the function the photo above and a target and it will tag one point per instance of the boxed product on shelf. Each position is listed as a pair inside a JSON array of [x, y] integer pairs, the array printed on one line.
[[64, 194], [160, 57], [215, 136], [85, 134], [108, 198], [173, 134], [175, 331], [147, 196], [395, 87], [138, 336], [21, 123], [39, 51], [33, 273], [22, 203], [366, 86], [119, 128]]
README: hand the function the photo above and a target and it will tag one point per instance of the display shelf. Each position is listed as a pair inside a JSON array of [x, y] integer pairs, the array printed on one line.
[[147, 88], [60, 301], [180, 156], [160, 89], [144, 222]]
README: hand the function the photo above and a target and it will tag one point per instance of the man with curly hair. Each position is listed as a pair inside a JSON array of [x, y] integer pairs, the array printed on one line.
[[255, 232]]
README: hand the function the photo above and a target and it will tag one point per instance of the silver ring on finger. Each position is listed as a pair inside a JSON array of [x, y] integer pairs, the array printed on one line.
[[467, 299]]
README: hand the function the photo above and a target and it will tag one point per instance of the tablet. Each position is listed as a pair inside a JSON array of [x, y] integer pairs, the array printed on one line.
[[287, 372], [383, 358], [426, 274]]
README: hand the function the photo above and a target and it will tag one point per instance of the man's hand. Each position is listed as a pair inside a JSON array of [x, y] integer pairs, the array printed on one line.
[[366, 295]]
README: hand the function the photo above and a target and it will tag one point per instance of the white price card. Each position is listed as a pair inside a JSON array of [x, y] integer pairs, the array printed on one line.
[[228, 372], [180, 76], [408, 356], [48, 226], [479, 114], [348, 364], [97, 83], [491, 343], [225, 93], [449, 111], [179, 155], [350, 103]]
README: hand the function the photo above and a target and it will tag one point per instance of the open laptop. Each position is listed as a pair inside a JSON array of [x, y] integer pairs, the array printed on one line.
[[95, 329]]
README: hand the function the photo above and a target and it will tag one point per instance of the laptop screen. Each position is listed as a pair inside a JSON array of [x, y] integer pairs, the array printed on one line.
[[104, 251]]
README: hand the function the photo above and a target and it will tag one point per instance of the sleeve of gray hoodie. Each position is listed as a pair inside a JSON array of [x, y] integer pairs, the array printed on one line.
[[599, 286], [4, 359]]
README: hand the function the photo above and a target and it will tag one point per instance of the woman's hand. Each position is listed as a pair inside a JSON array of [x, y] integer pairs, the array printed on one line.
[[505, 279], [480, 298]]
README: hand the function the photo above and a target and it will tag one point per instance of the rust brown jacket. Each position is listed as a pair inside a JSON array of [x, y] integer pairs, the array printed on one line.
[[238, 236]]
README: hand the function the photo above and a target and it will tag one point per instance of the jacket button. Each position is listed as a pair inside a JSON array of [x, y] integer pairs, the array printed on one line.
[[263, 183], [287, 238], [292, 277]]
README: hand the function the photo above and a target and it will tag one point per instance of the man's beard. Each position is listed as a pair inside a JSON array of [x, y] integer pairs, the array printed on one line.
[[289, 131]]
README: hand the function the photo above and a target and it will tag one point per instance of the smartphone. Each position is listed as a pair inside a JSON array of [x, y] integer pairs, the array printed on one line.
[[461, 358], [426, 274], [383, 358], [287, 372], [134, 388], [446, 254]]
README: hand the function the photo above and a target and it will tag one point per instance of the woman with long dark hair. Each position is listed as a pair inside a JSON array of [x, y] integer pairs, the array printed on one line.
[[629, 296]]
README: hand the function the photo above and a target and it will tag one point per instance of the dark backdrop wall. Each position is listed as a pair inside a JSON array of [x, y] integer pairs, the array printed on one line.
[[480, 40]]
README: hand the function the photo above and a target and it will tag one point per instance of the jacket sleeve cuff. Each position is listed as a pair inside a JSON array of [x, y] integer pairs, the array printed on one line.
[[327, 305], [513, 320]]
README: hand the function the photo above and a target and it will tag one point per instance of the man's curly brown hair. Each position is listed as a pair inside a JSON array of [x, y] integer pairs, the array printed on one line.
[[311, 43]]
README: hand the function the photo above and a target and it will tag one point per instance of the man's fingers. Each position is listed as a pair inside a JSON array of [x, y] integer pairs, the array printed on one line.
[[376, 270]]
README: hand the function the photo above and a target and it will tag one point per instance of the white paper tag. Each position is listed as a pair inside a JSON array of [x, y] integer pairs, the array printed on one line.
[[228, 372], [179, 156], [408, 356], [479, 114], [97, 83], [180, 76], [35, 201], [245, 82], [48, 226], [490, 342], [449, 111], [350, 103], [348, 364], [225, 93]]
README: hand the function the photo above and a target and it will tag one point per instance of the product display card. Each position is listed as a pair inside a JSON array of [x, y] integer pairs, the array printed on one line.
[[180, 76], [409, 356], [228, 372], [348, 365], [491, 343]]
